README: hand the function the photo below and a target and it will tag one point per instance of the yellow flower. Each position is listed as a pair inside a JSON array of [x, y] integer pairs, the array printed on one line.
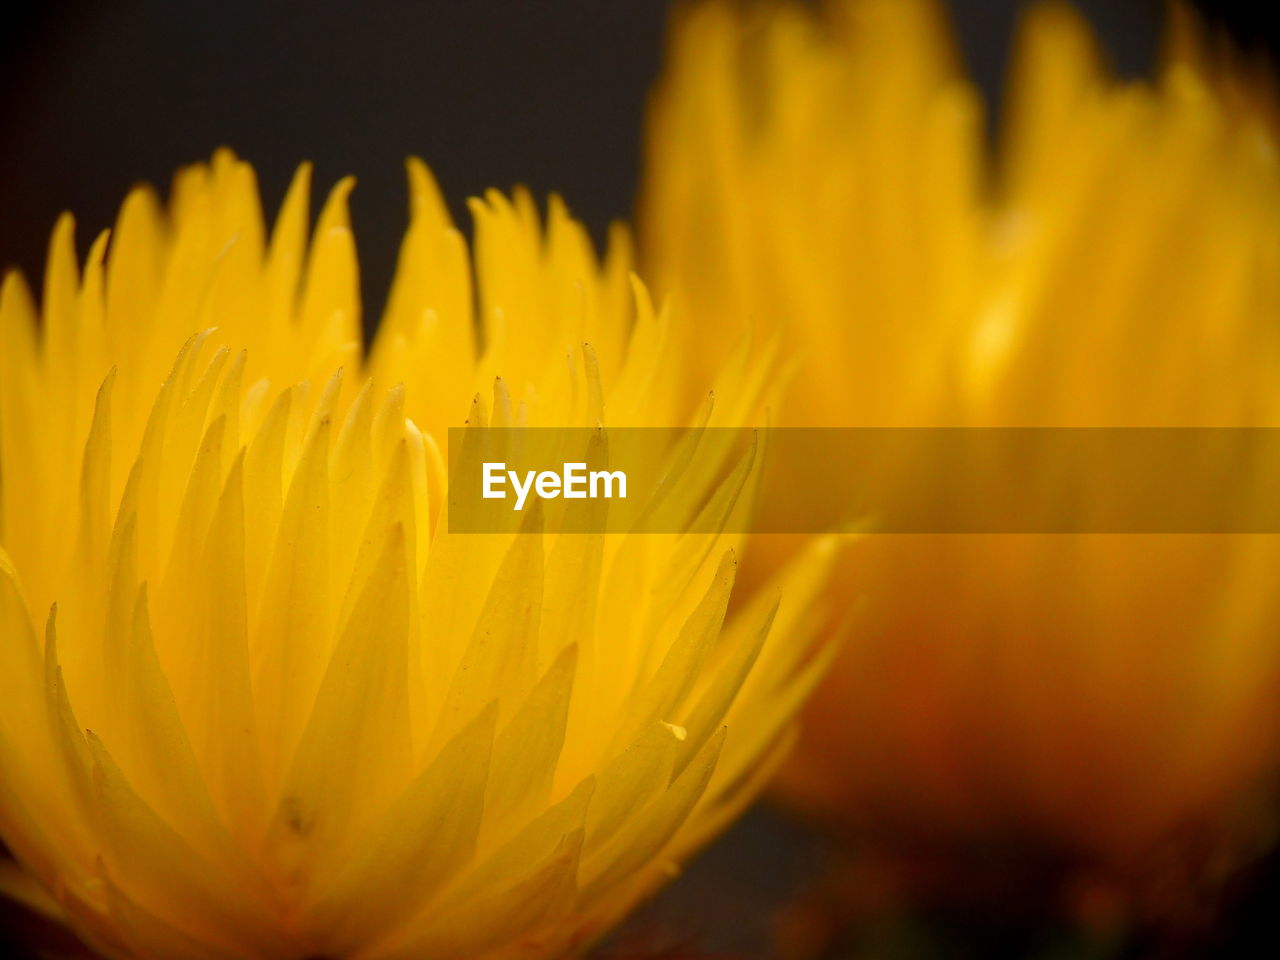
[[258, 702], [1114, 262]]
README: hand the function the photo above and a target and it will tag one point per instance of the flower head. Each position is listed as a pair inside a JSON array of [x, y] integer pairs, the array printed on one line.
[[1113, 263], [258, 700]]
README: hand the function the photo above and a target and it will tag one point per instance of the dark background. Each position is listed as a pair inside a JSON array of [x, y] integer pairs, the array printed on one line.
[[95, 96], [550, 93]]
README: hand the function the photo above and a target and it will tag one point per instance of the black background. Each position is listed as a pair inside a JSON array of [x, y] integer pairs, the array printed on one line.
[[550, 93], [95, 96]]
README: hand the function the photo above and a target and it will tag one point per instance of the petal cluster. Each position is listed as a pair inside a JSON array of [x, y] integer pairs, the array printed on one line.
[[1114, 262], [258, 701]]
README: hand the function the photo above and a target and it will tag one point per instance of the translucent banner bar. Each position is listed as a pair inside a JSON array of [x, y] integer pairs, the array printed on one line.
[[815, 480]]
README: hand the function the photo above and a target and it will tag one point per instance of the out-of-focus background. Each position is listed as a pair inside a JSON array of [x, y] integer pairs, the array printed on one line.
[[97, 95]]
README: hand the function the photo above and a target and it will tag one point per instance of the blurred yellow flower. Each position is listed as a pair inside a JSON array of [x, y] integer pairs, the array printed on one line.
[[1116, 262], [258, 702]]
